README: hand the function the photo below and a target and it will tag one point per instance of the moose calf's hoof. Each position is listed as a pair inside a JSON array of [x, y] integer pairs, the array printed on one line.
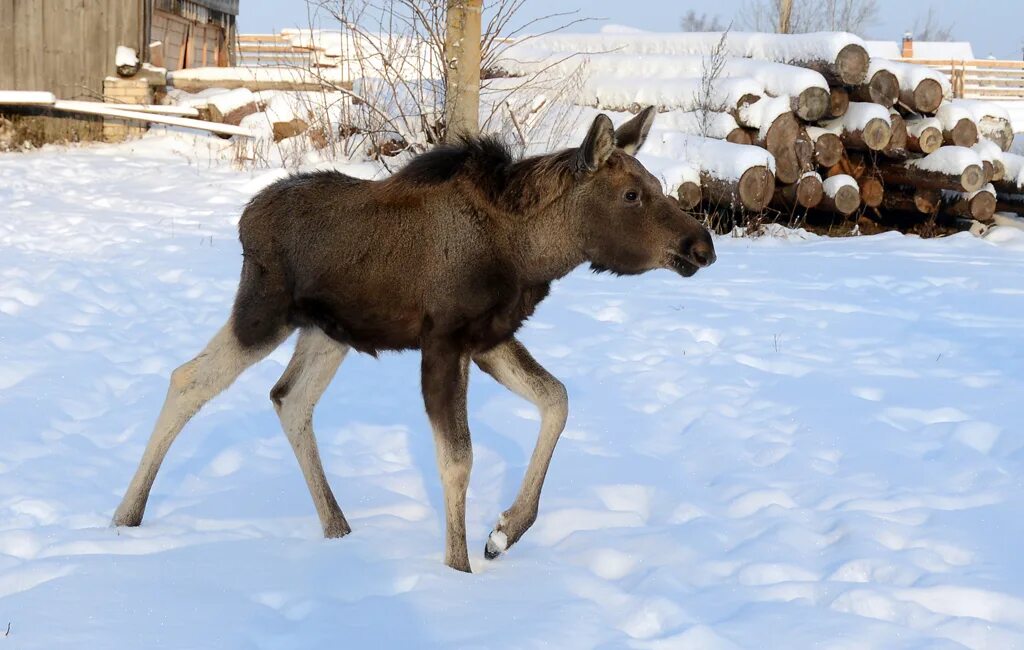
[[497, 542], [130, 519], [337, 529]]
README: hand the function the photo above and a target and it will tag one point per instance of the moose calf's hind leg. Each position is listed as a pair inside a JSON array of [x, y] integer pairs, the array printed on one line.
[[513, 367], [310, 370], [192, 385]]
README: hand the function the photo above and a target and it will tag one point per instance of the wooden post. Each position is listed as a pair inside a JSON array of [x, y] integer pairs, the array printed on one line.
[[462, 67]]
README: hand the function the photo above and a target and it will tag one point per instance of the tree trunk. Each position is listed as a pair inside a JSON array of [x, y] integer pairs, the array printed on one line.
[[752, 192], [792, 148], [839, 101], [923, 135], [462, 68], [849, 69], [971, 179], [980, 207], [883, 88], [845, 202], [897, 147], [689, 195], [812, 104], [963, 134], [925, 98]]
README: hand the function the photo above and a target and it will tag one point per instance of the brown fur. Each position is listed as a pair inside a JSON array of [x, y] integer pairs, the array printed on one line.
[[449, 256]]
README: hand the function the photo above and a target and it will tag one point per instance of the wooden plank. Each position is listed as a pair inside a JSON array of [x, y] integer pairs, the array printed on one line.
[[28, 46], [98, 108], [7, 41]]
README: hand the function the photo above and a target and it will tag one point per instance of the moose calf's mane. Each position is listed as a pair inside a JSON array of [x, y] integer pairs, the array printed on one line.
[[487, 166]]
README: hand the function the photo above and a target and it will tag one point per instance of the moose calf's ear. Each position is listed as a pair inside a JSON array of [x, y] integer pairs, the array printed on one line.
[[632, 135], [598, 145]]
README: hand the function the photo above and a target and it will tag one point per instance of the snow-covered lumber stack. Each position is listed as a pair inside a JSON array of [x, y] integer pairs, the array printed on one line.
[[848, 135]]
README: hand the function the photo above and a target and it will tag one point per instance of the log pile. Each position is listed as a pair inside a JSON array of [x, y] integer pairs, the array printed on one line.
[[850, 139]]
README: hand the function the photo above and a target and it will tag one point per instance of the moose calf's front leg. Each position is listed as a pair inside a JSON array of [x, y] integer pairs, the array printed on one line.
[[513, 367], [445, 371]]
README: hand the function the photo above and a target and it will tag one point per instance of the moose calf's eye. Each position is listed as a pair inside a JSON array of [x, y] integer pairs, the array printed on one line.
[[631, 196]]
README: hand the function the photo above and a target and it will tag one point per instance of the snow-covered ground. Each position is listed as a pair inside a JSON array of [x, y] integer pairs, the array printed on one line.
[[814, 443]]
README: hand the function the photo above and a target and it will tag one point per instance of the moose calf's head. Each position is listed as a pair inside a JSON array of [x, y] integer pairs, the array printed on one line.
[[629, 225]]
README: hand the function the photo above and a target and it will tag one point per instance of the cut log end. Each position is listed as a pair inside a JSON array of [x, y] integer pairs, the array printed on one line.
[[846, 200], [927, 97], [883, 88], [739, 136], [809, 191], [973, 178], [872, 191], [689, 195], [963, 134], [928, 141], [828, 149], [876, 134], [852, 64], [897, 146], [927, 201], [839, 102], [999, 171], [755, 188], [983, 206], [813, 104]]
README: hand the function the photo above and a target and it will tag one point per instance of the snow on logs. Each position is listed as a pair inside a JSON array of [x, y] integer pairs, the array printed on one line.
[[817, 103], [865, 126], [841, 194], [950, 168], [840, 57], [732, 176]]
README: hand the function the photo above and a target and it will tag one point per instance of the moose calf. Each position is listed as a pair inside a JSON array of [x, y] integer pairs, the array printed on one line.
[[449, 256]]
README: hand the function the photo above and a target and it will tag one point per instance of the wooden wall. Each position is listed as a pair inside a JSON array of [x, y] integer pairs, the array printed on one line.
[[65, 46], [187, 44]]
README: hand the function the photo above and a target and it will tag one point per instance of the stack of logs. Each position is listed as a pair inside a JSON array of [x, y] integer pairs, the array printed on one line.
[[899, 157], [872, 142]]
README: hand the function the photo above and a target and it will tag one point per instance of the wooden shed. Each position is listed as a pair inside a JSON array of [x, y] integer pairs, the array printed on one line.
[[68, 47]]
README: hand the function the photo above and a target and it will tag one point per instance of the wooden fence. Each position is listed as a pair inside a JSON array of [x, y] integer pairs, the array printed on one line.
[[981, 78], [257, 50], [977, 79]]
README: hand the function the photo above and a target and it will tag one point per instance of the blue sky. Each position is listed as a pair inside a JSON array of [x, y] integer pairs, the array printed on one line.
[[998, 29]]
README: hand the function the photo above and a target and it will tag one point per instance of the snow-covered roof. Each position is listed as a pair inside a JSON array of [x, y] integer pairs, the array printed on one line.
[[958, 50], [884, 49], [943, 50]]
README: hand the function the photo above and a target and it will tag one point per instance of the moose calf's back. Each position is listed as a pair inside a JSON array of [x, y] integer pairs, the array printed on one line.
[[374, 263]]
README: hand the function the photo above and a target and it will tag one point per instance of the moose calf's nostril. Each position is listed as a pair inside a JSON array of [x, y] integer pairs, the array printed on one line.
[[702, 254]]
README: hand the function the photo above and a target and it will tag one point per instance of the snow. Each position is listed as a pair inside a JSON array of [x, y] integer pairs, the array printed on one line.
[[883, 49], [979, 109], [813, 443], [718, 158], [259, 74], [781, 48], [125, 56], [232, 99], [950, 113], [910, 75], [857, 117], [680, 94], [917, 126], [1014, 165], [833, 184], [775, 78], [1015, 111], [948, 160], [26, 97], [762, 114], [988, 151]]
